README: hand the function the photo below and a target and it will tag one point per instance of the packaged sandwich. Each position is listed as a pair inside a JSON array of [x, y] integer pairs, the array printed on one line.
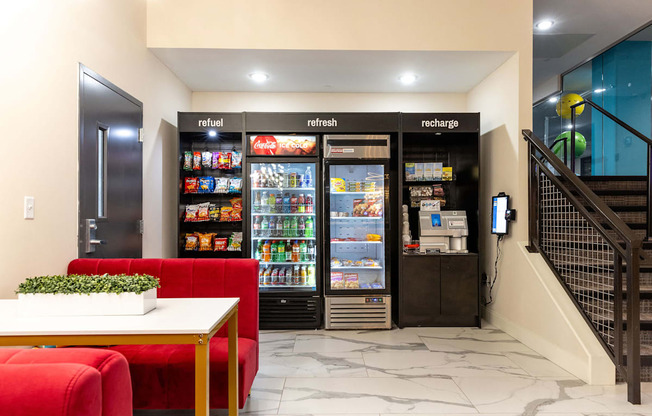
[[351, 281], [337, 280]]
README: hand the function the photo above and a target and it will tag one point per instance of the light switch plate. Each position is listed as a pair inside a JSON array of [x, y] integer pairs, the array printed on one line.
[[29, 208]]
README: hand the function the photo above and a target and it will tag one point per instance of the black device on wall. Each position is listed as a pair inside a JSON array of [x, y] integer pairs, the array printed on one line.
[[501, 214]]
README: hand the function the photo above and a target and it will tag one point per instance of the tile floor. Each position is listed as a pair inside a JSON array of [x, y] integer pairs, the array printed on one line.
[[435, 371]]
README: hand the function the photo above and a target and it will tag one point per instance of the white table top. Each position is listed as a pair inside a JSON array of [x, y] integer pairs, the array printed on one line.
[[171, 316]]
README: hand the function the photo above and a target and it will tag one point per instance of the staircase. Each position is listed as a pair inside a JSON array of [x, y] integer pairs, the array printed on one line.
[[627, 197]]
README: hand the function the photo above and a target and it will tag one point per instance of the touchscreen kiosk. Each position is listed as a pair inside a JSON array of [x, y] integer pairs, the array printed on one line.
[[499, 208]]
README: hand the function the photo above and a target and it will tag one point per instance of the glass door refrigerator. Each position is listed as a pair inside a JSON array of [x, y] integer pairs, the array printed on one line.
[[356, 231], [283, 213]]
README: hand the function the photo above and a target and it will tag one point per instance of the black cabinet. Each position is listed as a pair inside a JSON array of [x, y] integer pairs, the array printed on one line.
[[439, 290]]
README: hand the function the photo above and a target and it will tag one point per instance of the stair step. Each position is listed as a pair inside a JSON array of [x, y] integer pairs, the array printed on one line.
[[625, 192]]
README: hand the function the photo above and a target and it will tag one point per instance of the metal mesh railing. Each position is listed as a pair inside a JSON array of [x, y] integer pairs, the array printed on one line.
[[581, 256]]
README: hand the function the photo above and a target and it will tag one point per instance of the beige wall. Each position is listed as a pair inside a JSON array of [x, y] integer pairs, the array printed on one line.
[[43, 43], [327, 102]]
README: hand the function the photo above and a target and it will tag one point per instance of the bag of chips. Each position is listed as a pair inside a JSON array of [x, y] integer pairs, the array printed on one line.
[[216, 160], [235, 241], [202, 212], [206, 184], [236, 214], [187, 160], [221, 244], [213, 212], [236, 159], [206, 159], [221, 185], [224, 161], [236, 203], [196, 160], [191, 242], [235, 185], [225, 213], [191, 185], [205, 241], [191, 213]]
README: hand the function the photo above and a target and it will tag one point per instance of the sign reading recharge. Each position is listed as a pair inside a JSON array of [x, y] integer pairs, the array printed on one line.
[[283, 145]]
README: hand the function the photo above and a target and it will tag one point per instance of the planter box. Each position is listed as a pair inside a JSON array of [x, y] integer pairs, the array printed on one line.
[[84, 305]]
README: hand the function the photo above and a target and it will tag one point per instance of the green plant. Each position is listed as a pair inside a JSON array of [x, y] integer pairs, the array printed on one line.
[[87, 284]]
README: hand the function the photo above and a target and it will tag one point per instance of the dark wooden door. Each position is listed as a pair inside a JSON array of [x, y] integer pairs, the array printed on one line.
[[110, 170]]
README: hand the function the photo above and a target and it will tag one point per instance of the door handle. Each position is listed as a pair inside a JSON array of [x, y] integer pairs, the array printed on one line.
[[97, 242], [90, 227]]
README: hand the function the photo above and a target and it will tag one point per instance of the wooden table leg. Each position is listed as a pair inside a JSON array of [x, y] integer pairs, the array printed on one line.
[[233, 364], [202, 393]]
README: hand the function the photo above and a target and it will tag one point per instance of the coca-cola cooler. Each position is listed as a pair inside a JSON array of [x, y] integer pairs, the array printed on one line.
[[283, 213]]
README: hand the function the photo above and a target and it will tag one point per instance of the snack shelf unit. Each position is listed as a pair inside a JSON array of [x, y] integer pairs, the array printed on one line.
[[214, 133], [439, 289]]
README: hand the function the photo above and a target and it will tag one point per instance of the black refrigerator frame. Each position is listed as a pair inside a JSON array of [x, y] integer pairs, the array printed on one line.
[[387, 240], [282, 309]]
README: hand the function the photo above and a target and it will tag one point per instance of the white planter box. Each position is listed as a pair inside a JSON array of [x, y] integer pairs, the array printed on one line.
[[84, 305]]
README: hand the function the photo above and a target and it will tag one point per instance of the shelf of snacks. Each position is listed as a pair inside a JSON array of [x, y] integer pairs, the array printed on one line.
[[283, 189], [364, 263], [340, 280], [283, 238], [253, 214], [210, 212], [212, 242], [357, 193], [199, 160], [358, 267]]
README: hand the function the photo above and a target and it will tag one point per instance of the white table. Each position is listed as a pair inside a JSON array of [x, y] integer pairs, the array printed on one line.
[[174, 321]]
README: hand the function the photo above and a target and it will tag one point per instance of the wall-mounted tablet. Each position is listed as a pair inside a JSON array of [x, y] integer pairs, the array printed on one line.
[[499, 207]]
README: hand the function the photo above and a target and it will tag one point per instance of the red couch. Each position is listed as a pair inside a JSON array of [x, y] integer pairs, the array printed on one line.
[[162, 376], [64, 381]]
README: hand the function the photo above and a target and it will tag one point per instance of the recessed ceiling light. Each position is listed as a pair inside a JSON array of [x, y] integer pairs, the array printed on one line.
[[212, 133], [599, 90], [553, 99], [259, 76], [544, 24], [407, 79]]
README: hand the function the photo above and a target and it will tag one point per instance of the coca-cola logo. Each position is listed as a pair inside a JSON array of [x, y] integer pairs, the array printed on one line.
[[265, 145]]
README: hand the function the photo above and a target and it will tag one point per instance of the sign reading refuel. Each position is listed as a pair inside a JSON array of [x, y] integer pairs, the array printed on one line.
[[283, 145]]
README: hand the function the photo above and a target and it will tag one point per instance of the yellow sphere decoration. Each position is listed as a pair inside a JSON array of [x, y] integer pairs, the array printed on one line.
[[564, 105]]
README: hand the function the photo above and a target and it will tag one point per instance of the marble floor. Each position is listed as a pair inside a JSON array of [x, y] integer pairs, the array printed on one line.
[[435, 371]]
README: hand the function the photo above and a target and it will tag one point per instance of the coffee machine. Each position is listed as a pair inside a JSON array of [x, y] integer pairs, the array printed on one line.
[[443, 231]]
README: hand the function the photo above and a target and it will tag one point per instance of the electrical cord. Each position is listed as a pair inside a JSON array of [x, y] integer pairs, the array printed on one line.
[[493, 281]]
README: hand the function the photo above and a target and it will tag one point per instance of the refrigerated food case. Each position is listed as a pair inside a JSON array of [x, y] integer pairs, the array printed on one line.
[[283, 213], [356, 266]]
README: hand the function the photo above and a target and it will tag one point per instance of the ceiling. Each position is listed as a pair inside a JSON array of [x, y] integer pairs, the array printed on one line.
[[330, 71], [582, 29]]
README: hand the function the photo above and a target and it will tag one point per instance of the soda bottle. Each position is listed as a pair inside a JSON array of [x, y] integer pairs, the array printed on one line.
[[288, 251], [256, 207], [311, 275], [286, 203], [303, 251], [257, 254], [257, 226], [303, 276], [264, 199], [264, 227], [267, 252], [293, 204], [301, 204], [279, 227], [268, 276], [255, 179], [308, 178], [310, 227], [312, 251], [296, 252], [281, 275], [274, 251], [286, 227], [293, 227], [296, 275], [301, 227], [281, 252], [272, 227], [271, 203], [309, 203], [261, 276], [274, 276], [279, 204]]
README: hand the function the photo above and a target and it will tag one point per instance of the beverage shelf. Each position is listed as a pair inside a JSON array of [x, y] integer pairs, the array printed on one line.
[[356, 218], [285, 286], [356, 242], [358, 268], [357, 192], [283, 238], [283, 189], [298, 214], [287, 263]]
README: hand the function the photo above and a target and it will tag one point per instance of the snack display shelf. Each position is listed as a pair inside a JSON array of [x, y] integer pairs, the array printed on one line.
[[355, 218], [272, 286], [211, 222], [356, 242], [358, 268], [283, 189], [298, 214], [285, 263], [283, 238], [212, 193]]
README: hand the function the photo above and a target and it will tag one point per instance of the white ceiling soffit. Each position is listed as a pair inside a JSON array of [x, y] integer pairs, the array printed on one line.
[[582, 29], [329, 71]]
